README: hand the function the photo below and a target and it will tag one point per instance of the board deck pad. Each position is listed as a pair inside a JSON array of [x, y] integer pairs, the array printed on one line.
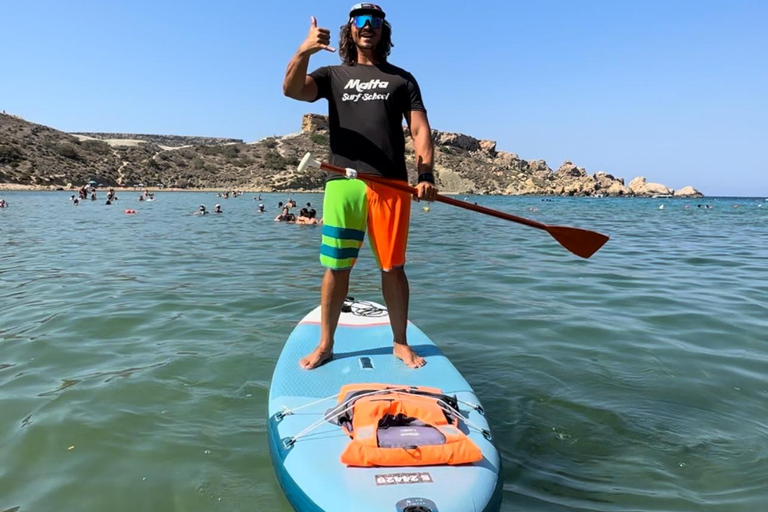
[[310, 472]]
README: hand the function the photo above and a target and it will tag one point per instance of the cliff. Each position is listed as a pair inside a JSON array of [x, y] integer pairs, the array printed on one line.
[[32, 154]]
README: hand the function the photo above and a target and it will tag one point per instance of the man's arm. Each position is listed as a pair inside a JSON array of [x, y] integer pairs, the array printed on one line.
[[297, 84], [421, 134]]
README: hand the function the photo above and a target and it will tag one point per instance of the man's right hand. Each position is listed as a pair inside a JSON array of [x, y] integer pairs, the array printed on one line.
[[317, 39]]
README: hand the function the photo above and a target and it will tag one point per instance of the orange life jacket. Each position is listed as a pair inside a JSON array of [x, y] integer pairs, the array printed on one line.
[[415, 405]]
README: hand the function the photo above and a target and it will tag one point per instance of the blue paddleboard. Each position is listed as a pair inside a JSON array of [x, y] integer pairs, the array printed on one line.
[[308, 468]]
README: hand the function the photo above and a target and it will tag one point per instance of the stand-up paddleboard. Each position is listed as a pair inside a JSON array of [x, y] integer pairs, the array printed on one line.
[[306, 447]]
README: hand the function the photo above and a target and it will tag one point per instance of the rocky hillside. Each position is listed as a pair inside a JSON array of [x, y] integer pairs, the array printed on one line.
[[32, 154]]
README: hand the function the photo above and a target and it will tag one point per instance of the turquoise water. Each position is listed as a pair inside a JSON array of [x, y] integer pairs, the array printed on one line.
[[136, 351]]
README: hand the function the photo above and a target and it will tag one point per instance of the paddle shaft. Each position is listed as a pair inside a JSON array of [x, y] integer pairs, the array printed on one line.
[[404, 187]]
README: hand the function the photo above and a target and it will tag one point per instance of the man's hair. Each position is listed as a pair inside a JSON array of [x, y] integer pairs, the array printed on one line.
[[348, 48]]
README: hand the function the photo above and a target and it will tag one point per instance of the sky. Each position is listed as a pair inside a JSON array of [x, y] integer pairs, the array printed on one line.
[[673, 90]]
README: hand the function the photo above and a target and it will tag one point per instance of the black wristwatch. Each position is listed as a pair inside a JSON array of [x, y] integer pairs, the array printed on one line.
[[428, 177]]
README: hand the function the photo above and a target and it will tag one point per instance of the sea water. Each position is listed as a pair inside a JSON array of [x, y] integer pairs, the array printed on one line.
[[136, 351]]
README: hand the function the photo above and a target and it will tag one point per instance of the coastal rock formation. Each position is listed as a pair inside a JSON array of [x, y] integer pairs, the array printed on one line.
[[311, 123], [688, 192], [456, 140], [36, 155], [641, 187], [488, 146]]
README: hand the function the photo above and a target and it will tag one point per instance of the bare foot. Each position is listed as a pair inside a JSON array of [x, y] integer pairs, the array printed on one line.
[[408, 356], [318, 357]]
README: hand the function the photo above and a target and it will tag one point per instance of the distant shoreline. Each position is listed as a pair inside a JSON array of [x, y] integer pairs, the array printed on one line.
[[15, 187]]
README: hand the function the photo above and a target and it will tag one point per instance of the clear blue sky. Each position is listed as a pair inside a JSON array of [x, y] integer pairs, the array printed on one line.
[[674, 90]]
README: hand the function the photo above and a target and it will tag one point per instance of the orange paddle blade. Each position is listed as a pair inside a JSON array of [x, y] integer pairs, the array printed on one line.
[[580, 242]]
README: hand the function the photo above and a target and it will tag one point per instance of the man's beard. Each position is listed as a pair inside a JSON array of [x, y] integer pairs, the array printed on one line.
[[366, 45]]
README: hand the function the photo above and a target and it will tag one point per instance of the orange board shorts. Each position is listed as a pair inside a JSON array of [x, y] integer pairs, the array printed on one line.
[[351, 206]]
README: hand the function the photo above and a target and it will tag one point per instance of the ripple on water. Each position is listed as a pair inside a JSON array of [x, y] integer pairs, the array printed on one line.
[[140, 362]]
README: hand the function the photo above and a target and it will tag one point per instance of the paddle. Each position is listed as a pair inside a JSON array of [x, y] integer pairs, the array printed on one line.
[[580, 242]]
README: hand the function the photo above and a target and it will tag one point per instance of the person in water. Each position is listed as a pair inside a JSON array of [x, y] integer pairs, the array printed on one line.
[[303, 216], [368, 98], [201, 210], [3, 203], [261, 208], [217, 209], [283, 217]]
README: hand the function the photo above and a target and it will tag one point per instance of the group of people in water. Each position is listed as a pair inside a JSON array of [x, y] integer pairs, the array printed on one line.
[[232, 193], [87, 191], [201, 210], [307, 215]]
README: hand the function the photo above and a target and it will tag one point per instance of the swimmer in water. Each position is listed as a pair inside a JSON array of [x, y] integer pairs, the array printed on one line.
[[261, 208], [217, 209], [283, 217], [3, 203], [303, 216], [201, 210]]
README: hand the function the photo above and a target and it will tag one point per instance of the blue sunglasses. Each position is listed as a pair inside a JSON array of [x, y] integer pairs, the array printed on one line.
[[362, 19]]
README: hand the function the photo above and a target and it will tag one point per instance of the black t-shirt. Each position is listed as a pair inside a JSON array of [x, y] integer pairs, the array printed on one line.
[[366, 105]]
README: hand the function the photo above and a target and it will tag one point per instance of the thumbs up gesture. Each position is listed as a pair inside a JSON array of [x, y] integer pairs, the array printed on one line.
[[317, 39]]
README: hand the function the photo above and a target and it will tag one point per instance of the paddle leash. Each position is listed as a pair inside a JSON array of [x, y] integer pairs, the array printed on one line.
[[581, 242]]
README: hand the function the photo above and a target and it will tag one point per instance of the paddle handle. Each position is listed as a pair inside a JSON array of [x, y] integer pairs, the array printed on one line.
[[404, 187]]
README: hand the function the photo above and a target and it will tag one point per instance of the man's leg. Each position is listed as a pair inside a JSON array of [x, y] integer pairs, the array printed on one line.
[[334, 291], [388, 217], [345, 214], [394, 286]]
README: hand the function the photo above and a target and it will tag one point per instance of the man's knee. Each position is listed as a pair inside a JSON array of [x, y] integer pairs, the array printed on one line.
[[338, 272], [393, 273]]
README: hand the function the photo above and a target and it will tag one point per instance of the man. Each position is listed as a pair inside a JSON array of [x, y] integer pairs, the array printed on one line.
[[368, 99]]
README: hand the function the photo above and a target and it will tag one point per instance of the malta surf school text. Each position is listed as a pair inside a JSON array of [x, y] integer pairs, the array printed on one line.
[[364, 96]]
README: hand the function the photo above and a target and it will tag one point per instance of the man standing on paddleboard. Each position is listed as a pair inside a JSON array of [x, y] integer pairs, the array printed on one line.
[[368, 98]]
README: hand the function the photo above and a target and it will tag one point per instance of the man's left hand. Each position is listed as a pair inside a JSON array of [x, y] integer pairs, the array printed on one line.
[[426, 191]]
